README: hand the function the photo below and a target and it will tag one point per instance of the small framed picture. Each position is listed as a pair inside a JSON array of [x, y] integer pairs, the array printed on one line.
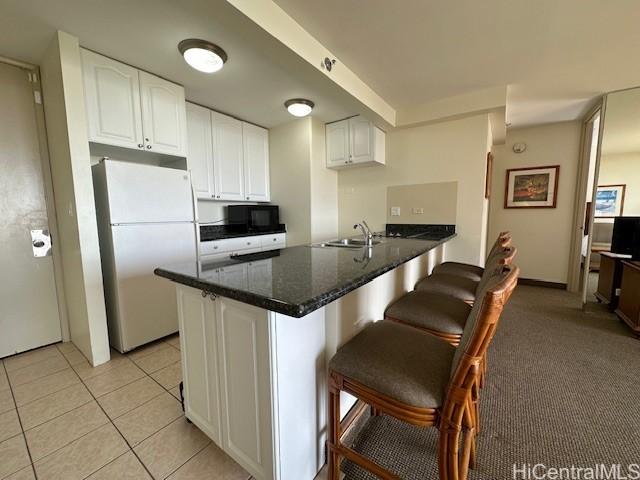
[[609, 201], [532, 187]]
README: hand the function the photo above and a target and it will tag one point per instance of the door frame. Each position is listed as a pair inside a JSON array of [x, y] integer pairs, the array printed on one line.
[[575, 279], [33, 76]]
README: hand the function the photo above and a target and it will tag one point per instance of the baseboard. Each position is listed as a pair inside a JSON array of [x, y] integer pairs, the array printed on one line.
[[541, 283]]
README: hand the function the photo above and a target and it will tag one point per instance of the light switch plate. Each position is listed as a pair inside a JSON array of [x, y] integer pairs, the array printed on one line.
[[395, 211]]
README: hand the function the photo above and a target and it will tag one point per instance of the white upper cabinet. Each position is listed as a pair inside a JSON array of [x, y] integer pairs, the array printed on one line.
[[255, 142], [112, 93], [163, 115], [355, 141], [227, 157], [360, 140], [200, 151], [337, 143], [130, 108]]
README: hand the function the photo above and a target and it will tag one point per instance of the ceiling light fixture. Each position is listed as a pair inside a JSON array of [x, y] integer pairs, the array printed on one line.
[[299, 107], [202, 55]]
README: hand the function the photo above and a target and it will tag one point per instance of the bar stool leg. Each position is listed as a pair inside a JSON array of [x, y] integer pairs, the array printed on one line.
[[334, 432]]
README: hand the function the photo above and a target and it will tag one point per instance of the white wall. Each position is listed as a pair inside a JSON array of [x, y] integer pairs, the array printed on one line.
[[623, 169], [300, 184], [73, 191], [542, 235], [324, 188], [289, 157], [453, 151]]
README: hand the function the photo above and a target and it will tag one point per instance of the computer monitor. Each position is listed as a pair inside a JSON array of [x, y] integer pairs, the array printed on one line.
[[626, 236]]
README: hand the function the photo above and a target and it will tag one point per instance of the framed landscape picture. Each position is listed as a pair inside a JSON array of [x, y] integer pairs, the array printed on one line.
[[609, 201], [532, 187]]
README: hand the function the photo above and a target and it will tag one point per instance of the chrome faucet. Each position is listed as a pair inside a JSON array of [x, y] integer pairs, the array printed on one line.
[[366, 233]]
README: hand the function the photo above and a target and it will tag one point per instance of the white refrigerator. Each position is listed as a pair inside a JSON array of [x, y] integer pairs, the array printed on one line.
[[145, 220]]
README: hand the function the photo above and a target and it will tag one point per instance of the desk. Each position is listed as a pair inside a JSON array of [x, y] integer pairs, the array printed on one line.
[[610, 278], [629, 304]]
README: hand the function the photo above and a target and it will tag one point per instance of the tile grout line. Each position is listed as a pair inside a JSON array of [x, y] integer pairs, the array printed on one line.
[[189, 459], [24, 438], [109, 421], [94, 398]]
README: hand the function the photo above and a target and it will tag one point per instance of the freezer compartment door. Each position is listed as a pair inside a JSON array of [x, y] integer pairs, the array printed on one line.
[[147, 307], [147, 194]]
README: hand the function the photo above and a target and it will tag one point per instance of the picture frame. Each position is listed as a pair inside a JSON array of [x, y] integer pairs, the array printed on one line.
[[609, 201], [487, 180], [532, 187]]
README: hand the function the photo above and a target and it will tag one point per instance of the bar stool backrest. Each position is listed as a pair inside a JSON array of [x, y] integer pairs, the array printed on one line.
[[483, 320]]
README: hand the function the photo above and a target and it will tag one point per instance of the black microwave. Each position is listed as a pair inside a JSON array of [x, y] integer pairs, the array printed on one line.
[[253, 218]]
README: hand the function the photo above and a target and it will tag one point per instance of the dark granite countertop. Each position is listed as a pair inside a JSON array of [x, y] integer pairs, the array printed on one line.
[[296, 281], [219, 232]]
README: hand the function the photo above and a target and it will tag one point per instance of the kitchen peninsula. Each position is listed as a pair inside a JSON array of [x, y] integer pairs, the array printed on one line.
[[257, 331]]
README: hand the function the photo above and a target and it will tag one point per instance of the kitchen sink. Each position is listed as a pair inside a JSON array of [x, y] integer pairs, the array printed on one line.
[[347, 243]]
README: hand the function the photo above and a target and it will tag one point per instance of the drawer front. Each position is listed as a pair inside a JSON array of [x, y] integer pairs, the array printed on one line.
[[277, 240], [214, 257]]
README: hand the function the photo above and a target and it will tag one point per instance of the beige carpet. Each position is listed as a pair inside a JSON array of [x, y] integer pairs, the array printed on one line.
[[563, 389]]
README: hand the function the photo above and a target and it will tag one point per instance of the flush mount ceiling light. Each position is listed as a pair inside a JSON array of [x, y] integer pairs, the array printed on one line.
[[202, 55], [299, 107]]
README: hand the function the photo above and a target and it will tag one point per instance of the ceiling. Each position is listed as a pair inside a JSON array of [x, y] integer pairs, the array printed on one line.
[[622, 123], [260, 75], [555, 56]]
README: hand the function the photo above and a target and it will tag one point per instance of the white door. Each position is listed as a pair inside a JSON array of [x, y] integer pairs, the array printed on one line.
[[243, 343], [360, 140], [255, 141], [112, 97], [227, 157], [337, 143], [164, 118], [199, 339], [200, 150], [28, 303], [144, 305]]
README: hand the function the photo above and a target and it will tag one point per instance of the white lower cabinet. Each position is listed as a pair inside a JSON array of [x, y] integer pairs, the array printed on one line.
[[243, 343], [226, 372], [199, 347]]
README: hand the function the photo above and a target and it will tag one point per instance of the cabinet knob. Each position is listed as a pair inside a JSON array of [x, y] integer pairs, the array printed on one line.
[[218, 196], [148, 147], [247, 198], [215, 247], [248, 243], [140, 145], [204, 294], [146, 139], [275, 239]]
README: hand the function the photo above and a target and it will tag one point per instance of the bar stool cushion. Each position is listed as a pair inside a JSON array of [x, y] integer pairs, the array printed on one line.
[[447, 284], [397, 361], [472, 272], [433, 311]]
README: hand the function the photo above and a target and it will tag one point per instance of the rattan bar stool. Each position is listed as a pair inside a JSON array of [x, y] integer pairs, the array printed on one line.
[[419, 379]]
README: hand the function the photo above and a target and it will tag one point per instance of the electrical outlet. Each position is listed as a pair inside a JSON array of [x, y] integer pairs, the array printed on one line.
[[395, 211], [418, 210]]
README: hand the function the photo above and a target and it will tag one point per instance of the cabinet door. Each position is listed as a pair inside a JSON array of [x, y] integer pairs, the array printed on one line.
[[243, 334], [255, 142], [227, 157], [337, 143], [164, 120], [200, 150], [112, 97], [199, 350], [360, 140]]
